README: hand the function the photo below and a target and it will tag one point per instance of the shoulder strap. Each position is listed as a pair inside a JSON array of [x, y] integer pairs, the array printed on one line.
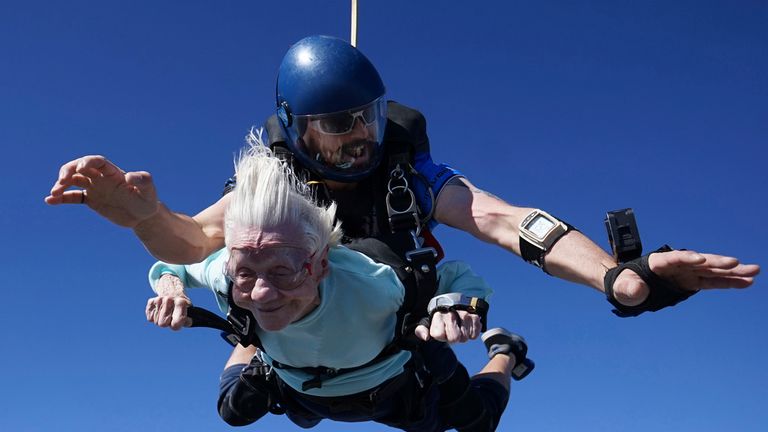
[[275, 132], [418, 273]]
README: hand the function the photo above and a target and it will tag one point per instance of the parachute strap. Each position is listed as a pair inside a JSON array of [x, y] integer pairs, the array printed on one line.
[[420, 261], [323, 373], [420, 287], [243, 323], [204, 318]]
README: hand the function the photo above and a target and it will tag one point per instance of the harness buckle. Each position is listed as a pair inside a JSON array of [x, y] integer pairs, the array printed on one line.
[[421, 254], [241, 324], [402, 209]]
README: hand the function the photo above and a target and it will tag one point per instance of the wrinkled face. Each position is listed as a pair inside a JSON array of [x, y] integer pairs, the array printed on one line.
[[275, 275]]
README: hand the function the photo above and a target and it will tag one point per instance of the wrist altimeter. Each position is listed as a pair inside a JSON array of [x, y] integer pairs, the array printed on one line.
[[538, 233]]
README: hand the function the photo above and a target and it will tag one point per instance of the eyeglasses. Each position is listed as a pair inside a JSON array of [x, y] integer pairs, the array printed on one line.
[[281, 277], [343, 122]]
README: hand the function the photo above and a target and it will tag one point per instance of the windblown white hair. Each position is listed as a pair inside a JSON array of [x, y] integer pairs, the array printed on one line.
[[268, 193]]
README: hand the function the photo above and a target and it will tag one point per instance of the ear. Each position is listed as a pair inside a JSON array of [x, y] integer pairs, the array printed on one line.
[[324, 265]]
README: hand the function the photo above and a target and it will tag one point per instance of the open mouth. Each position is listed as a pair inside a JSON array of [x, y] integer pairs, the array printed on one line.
[[351, 154]]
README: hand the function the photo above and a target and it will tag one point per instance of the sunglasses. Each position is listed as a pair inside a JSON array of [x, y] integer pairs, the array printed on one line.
[[343, 122]]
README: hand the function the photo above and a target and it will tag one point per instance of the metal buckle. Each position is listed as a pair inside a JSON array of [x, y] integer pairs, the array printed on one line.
[[416, 253], [241, 326], [398, 185]]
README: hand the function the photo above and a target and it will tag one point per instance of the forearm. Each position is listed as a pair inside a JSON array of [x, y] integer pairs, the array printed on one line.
[[173, 237], [577, 259], [574, 257], [181, 239]]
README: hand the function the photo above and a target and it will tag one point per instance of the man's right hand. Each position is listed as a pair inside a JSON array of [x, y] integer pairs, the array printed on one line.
[[169, 309], [125, 199]]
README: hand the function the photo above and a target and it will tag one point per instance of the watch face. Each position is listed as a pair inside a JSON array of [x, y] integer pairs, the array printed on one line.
[[540, 226]]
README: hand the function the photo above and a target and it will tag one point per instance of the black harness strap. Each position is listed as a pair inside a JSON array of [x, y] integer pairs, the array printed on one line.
[[420, 271]]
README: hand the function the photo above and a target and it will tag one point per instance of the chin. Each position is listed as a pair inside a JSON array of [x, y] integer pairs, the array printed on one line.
[[272, 325]]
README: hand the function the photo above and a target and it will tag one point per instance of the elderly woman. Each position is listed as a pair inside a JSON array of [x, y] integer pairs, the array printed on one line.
[[322, 306]]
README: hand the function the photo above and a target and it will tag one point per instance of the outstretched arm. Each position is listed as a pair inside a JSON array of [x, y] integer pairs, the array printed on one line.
[[129, 199], [169, 307], [576, 258]]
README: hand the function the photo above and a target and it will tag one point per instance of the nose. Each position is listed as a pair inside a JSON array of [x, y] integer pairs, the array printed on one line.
[[263, 291]]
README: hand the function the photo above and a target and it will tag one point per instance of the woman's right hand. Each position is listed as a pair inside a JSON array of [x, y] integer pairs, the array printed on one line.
[[169, 309]]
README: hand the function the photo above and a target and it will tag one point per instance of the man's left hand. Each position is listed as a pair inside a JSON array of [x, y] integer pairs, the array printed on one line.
[[690, 270]]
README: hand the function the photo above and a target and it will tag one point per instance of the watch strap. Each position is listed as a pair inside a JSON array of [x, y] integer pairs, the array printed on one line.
[[531, 253]]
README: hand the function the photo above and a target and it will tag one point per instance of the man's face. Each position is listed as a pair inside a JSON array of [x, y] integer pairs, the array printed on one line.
[[349, 151], [275, 275]]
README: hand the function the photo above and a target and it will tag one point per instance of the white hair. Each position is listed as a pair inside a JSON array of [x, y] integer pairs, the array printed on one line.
[[268, 193]]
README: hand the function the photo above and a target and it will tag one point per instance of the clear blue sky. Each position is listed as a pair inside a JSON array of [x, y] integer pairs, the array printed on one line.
[[574, 107]]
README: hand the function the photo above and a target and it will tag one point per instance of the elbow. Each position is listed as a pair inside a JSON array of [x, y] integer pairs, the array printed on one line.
[[231, 415]]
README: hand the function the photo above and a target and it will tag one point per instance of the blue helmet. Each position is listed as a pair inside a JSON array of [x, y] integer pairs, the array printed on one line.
[[330, 101]]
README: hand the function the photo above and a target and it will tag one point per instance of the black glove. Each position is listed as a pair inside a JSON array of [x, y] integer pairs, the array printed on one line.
[[662, 292]]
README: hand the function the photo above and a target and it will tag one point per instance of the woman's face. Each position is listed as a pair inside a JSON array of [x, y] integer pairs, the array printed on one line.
[[275, 275]]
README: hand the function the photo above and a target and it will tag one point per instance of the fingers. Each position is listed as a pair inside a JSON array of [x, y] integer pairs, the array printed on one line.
[[97, 164], [694, 271], [71, 168], [65, 177], [471, 324], [59, 195], [724, 282], [68, 197], [143, 183], [84, 172], [441, 323], [455, 326], [422, 332], [149, 311], [666, 264], [670, 261], [140, 179], [179, 314], [167, 311]]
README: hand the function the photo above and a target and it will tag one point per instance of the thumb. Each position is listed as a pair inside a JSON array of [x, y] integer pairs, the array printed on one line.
[[422, 332], [142, 180]]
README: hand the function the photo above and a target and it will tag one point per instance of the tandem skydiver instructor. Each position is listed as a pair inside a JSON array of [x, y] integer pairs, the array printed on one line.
[[332, 122]]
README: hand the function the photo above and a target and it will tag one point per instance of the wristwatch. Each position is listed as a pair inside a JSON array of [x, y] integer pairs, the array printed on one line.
[[538, 232]]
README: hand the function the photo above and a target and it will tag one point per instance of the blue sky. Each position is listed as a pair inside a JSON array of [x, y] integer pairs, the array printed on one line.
[[573, 107]]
